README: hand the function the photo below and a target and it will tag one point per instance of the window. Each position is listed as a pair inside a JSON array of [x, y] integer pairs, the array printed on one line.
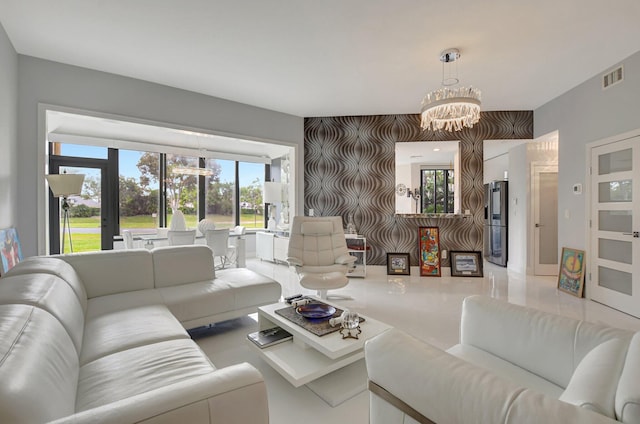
[[220, 192], [437, 187], [150, 185], [251, 179], [138, 186]]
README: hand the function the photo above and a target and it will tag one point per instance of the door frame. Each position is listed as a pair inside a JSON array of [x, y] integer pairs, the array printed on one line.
[[538, 166], [109, 198], [589, 249]]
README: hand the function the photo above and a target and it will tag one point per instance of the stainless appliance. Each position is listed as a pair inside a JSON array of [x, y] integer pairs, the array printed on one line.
[[495, 222]]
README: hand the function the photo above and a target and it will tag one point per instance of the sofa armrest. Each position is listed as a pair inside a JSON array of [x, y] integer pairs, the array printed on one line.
[[444, 388], [218, 397]]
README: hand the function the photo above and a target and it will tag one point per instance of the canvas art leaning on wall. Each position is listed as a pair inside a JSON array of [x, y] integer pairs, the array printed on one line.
[[10, 249]]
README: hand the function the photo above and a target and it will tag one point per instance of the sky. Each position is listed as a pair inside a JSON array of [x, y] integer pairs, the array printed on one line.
[[128, 160]]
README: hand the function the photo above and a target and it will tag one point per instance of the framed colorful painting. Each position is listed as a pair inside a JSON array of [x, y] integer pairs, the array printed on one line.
[[429, 251], [571, 276], [10, 249]]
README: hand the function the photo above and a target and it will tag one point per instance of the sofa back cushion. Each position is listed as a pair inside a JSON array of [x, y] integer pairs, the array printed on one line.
[[39, 368], [628, 393], [50, 293], [54, 266], [113, 271], [176, 265], [595, 380]]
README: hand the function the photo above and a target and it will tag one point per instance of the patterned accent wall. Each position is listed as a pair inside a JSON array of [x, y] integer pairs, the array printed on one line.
[[349, 167]]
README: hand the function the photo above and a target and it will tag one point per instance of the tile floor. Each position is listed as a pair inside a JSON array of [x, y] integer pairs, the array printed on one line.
[[425, 307]]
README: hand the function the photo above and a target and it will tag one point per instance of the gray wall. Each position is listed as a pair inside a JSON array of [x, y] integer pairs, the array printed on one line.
[[583, 115], [42, 81], [8, 131]]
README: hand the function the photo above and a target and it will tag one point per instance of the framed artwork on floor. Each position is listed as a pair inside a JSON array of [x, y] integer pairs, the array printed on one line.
[[398, 264], [571, 276], [10, 249], [429, 251], [466, 264]]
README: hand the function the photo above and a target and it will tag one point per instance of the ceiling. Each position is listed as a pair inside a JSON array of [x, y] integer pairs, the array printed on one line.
[[334, 57], [72, 128]]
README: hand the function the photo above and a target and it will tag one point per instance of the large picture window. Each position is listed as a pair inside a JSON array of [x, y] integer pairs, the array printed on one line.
[[149, 186], [437, 187]]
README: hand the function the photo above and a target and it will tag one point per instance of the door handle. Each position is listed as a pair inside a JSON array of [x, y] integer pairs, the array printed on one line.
[[635, 234], [539, 225]]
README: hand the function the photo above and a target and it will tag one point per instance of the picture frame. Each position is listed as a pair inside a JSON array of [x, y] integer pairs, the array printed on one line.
[[10, 249], [398, 264], [429, 251], [571, 274], [466, 263]]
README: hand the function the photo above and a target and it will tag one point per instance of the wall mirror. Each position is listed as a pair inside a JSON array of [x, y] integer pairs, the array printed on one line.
[[427, 177]]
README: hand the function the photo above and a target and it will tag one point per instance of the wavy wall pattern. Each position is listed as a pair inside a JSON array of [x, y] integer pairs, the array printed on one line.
[[350, 168]]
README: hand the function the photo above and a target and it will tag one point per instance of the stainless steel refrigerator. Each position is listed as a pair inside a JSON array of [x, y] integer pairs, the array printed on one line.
[[496, 249]]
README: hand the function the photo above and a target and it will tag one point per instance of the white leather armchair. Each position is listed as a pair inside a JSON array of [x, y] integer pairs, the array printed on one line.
[[318, 251]]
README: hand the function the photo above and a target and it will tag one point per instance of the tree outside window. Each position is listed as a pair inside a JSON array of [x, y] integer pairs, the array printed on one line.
[[437, 190]]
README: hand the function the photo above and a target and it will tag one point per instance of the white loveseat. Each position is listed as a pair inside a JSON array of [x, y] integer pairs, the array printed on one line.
[[100, 338], [513, 365]]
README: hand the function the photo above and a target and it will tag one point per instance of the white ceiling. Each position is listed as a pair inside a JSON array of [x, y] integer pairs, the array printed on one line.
[[72, 128], [334, 57]]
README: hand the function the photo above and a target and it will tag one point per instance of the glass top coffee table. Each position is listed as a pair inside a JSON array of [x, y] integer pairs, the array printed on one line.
[[308, 357]]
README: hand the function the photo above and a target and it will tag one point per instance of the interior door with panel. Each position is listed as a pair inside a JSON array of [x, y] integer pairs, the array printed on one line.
[[615, 225], [545, 217]]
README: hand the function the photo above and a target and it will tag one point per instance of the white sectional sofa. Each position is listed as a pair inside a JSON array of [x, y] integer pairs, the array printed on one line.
[[100, 338], [513, 365]]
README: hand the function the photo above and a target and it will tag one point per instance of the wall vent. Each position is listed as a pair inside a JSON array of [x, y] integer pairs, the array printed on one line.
[[612, 78]]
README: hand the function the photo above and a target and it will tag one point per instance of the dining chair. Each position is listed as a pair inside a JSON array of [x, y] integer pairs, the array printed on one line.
[[218, 241], [238, 231], [181, 237]]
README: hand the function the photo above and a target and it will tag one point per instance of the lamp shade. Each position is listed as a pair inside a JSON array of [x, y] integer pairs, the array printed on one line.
[[272, 192], [65, 184]]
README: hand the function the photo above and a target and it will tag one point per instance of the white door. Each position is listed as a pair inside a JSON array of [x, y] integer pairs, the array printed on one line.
[[615, 225], [545, 219]]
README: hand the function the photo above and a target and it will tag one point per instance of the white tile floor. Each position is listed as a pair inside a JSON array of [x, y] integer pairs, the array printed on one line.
[[425, 307]]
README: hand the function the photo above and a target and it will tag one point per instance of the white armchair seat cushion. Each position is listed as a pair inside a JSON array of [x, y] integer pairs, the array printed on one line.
[[505, 369], [327, 280], [120, 330], [139, 370]]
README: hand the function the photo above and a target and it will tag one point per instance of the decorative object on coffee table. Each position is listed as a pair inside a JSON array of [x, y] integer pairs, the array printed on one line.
[[466, 264], [398, 264], [429, 251], [350, 325]]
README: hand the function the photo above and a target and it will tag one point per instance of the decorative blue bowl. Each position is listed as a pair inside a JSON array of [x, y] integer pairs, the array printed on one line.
[[316, 310]]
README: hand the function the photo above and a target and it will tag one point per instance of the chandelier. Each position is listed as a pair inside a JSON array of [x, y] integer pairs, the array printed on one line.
[[448, 108]]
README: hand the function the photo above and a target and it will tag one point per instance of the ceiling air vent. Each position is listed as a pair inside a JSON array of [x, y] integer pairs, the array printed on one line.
[[612, 77]]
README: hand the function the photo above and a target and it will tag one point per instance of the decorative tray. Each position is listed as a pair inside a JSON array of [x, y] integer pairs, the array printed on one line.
[[319, 327]]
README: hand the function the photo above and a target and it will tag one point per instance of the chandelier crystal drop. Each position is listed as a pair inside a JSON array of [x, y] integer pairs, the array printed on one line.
[[448, 108]]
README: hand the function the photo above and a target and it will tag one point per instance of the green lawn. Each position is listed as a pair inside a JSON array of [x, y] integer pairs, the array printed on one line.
[[91, 242]]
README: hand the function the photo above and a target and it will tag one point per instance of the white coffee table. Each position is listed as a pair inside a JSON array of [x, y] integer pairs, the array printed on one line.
[[308, 357]]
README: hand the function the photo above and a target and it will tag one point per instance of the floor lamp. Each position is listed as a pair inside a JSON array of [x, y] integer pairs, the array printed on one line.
[[65, 185]]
